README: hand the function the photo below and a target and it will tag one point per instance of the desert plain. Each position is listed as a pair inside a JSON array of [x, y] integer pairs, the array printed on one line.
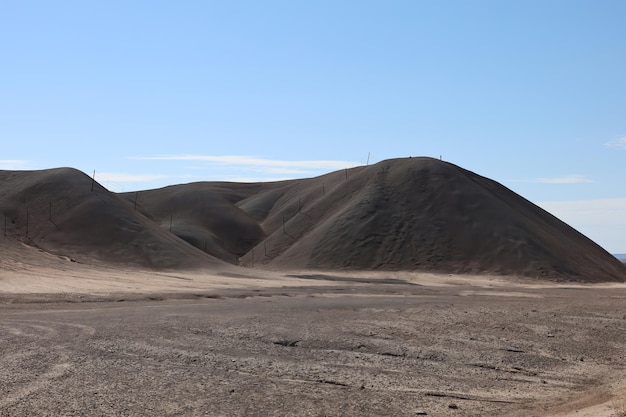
[[410, 287], [84, 341]]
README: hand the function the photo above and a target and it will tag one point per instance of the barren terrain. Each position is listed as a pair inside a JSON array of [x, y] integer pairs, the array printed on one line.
[[103, 342], [406, 214], [409, 287]]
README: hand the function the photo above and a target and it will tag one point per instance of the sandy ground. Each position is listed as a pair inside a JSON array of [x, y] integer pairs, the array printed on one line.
[[79, 340]]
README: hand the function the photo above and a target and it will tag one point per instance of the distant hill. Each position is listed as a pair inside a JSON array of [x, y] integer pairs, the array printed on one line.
[[417, 214], [402, 214]]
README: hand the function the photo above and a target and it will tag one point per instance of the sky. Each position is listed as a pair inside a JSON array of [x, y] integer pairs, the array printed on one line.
[[529, 93]]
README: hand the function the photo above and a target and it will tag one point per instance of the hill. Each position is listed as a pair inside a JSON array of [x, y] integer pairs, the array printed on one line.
[[415, 214], [423, 214], [62, 211], [205, 215], [401, 214]]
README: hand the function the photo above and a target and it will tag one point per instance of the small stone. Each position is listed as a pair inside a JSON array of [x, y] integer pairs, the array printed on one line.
[[453, 406], [420, 413]]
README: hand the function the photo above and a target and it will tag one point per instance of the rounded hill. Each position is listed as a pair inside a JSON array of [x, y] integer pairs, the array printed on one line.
[[425, 214], [414, 214], [62, 211]]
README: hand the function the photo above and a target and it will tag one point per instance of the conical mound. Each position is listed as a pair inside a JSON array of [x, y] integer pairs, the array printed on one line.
[[425, 214]]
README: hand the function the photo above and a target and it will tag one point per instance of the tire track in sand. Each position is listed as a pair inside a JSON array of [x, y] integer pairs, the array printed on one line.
[[40, 383]]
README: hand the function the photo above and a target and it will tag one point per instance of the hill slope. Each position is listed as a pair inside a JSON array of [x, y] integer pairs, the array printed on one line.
[[204, 215], [424, 214], [62, 212], [401, 214]]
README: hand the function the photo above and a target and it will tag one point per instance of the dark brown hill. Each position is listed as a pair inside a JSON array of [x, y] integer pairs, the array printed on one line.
[[205, 215], [416, 214], [423, 214], [62, 212]]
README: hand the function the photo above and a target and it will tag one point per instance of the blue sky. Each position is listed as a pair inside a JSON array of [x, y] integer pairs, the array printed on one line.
[[148, 93]]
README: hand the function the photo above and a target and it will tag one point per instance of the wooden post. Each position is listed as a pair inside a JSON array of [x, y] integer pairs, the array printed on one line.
[[93, 179], [346, 173], [135, 206], [368, 159]]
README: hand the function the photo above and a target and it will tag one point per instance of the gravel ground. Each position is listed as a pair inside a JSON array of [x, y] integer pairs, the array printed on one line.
[[368, 348]]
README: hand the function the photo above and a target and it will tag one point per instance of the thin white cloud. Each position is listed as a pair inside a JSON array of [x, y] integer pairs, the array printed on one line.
[[252, 179], [567, 179], [12, 164], [617, 143], [256, 162], [121, 182], [120, 177], [287, 171]]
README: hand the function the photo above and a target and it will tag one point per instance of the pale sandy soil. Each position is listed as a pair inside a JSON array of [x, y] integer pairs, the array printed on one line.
[[594, 404], [85, 340]]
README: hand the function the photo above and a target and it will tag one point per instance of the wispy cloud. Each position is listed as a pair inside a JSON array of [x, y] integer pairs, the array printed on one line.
[[121, 182], [256, 162], [120, 177], [12, 164], [287, 171], [567, 179], [251, 179], [617, 143]]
